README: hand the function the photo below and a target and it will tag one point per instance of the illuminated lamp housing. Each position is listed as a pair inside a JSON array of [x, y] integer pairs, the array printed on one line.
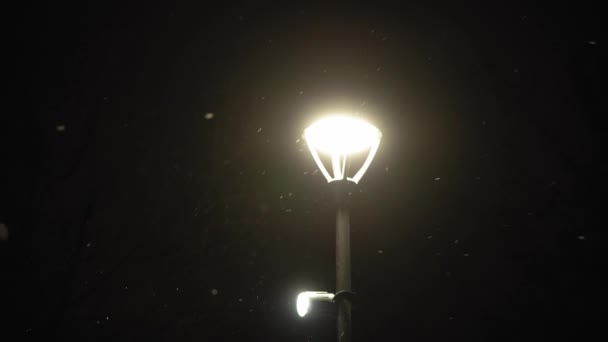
[[340, 137], [313, 301]]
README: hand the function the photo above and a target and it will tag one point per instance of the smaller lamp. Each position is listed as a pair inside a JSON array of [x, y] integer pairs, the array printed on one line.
[[313, 301]]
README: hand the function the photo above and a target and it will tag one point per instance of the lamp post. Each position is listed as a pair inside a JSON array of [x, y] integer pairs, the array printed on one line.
[[339, 138]]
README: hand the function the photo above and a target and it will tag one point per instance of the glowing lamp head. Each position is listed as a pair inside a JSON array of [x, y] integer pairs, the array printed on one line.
[[302, 304], [307, 299], [340, 137]]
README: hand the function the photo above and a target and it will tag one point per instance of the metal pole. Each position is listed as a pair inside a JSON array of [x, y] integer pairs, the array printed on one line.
[[344, 323]]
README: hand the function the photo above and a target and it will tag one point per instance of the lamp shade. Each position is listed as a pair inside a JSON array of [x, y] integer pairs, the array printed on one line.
[[341, 137]]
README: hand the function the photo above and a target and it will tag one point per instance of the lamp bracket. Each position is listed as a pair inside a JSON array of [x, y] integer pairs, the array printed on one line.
[[344, 294]]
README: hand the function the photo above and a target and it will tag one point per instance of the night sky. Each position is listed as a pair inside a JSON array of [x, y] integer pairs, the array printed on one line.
[[156, 186]]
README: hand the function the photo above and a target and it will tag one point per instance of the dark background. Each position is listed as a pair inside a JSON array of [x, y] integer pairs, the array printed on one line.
[[130, 215]]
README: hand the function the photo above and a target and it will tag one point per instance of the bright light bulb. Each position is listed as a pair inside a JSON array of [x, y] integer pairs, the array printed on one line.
[[303, 303], [342, 135]]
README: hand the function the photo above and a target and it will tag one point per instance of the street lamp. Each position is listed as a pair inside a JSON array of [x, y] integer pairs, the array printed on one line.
[[313, 301], [341, 138]]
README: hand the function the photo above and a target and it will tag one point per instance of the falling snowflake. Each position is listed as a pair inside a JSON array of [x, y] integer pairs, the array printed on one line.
[[214, 292], [60, 128], [437, 178], [209, 116], [581, 237]]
